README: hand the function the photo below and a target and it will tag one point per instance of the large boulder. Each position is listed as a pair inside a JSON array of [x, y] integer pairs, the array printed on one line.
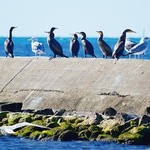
[[136, 135], [60, 112], [147, 111], [93, 119], [117, 130], [124, 117], [68, 135], [12, 107], [144, 120], [44, 112], [3, 115], [109, 112]]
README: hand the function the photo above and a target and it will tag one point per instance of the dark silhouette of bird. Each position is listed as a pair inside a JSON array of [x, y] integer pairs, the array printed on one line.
[[74, 45], [87, 46], [104, 47], [9, 45], [53, 44], [120, 45]]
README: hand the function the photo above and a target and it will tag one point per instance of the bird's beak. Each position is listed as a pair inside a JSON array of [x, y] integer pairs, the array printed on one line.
[[14, 28], [47, 32], [99, 32], [71, 34], [78, 32], [132, 32]]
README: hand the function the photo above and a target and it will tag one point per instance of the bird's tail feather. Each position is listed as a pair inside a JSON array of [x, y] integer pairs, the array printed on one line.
[[127, 54], [64, 56]]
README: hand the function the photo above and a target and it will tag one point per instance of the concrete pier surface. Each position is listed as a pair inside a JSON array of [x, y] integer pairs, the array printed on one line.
[[90, 84]]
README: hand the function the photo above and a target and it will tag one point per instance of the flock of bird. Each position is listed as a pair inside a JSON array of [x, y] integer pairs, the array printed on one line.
[[122, 44]]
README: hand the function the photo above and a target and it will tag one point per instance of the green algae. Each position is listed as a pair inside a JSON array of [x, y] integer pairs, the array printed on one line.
[[34, 135]]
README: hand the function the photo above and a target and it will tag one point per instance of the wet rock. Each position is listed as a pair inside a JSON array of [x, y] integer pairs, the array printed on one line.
[[109, 112], [137, 135], [28, 110], [44, 112], [55, 119], [60, 112], [93, 119], [117, 130], [52, 125], [68, 135], [147, 111], [35, 135], [108, 125], [124, 117], [12, 107], [3, 115], [145, 119], [104, 137], [84, 134], [26, 118], [95, 131]]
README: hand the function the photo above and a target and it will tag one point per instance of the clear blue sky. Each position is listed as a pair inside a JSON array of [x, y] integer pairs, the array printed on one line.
[[33, 17]]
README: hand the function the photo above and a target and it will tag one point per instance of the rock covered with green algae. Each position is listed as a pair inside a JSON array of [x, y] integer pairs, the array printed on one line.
[[136, 135], [67, 128]]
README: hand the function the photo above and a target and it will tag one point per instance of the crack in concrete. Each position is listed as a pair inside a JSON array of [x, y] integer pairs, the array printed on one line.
[[114, 93], [40, 90], [15, 76]]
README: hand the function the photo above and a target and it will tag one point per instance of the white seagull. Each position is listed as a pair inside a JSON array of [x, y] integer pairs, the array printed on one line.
[[129, 44], [9, 130], [140, 48], [37, 47]]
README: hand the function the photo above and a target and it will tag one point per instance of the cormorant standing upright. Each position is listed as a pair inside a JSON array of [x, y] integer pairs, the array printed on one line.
[[120, 45], [9, 45], [104, 47], [74, 45], [54, 44], [87, 46]]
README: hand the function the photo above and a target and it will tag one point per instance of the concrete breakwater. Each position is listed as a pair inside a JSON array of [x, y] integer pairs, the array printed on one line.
[[76, 84]]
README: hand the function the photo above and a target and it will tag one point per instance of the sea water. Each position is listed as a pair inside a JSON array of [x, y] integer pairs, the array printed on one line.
[[12, 143], [22, 47]]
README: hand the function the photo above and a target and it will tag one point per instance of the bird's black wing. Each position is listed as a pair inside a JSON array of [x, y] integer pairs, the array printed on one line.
[[89, 48], [118, 49], [106, 48], [55, 47], [74, 46]]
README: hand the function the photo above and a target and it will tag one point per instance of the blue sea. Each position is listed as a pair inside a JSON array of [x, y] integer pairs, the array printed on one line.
[[22, 47], [12, 143]]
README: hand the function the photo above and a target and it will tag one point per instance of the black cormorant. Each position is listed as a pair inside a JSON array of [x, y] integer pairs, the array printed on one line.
[[104, 47], [120, 45], [74, 45], [87, 46], [9, 45], [54, 44]]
